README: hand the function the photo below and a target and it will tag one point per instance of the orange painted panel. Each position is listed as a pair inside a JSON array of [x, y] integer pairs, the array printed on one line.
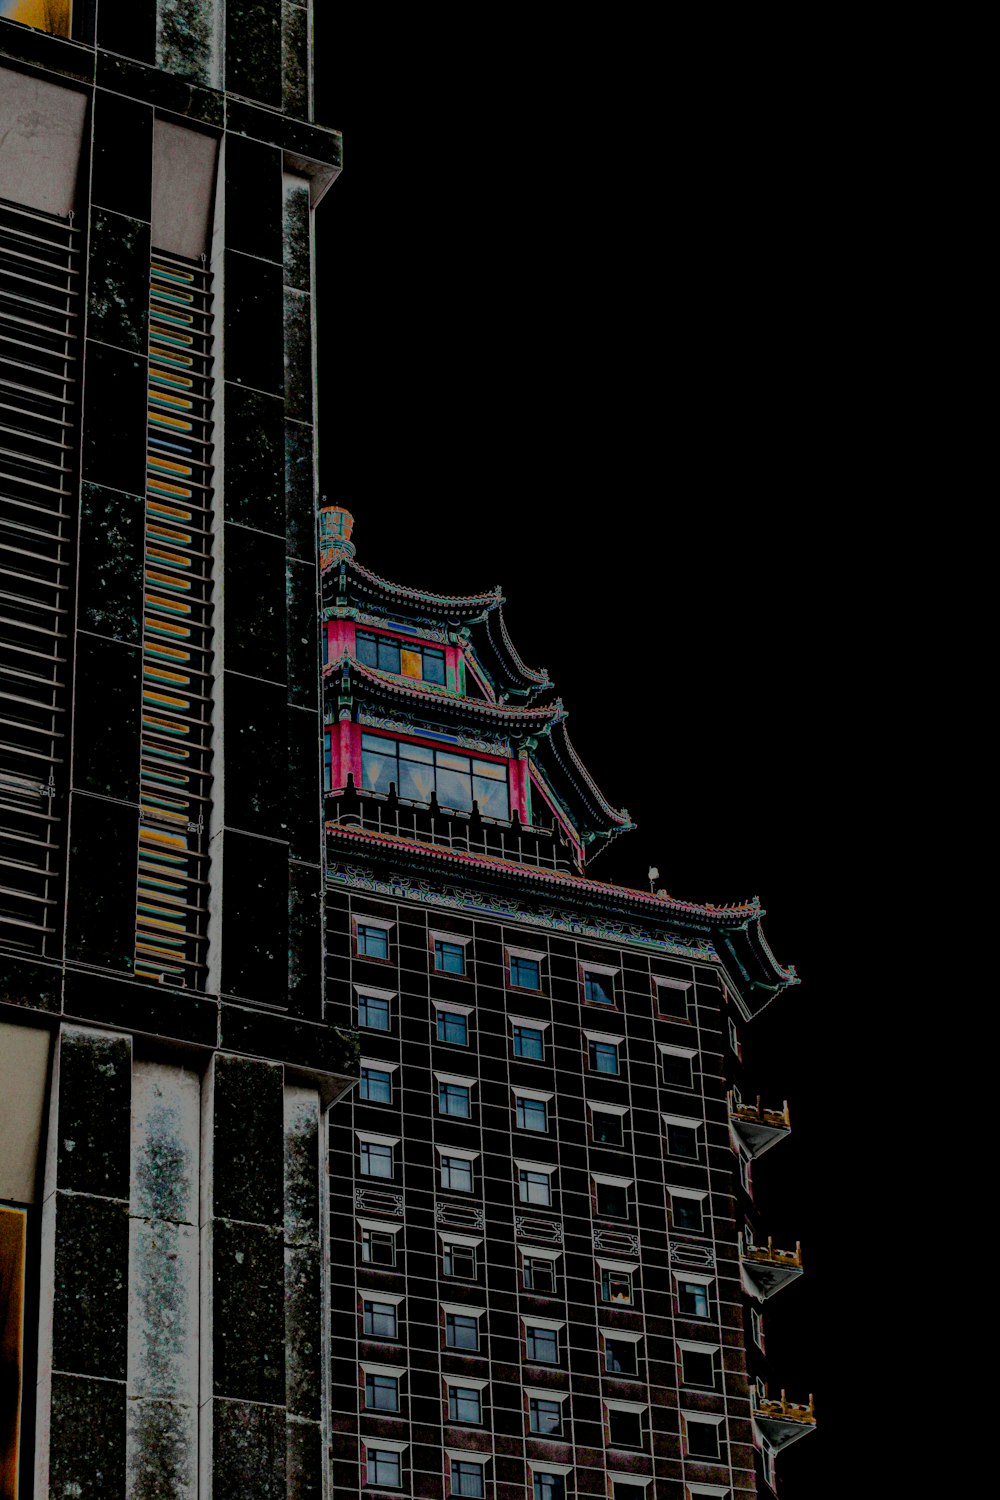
[[13, 1222]]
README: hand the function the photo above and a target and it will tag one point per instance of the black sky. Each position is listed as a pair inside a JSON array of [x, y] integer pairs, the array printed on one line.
[[590, 327]]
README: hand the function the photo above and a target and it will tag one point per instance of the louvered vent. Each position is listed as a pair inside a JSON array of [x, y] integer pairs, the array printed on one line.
[[172, 892], [39, 373]]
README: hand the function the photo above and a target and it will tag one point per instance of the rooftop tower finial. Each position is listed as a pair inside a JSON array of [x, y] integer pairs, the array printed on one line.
[[335, 527]]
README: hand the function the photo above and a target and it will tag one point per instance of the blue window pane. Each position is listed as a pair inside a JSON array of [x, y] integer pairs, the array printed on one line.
[[454, 1099], [529, 1043], [373, 1013], [454, 789], [693, 1299], [433, 665], [598, 988], [532, 1115], [449, 957], [388, 655], [382, 1393], [548, 1487], [604, 1057], [373, 942], [491, 796], [376, 1159], [452, 1027], [525, 973], [380, 1320], [534, 1187], [682, 1142], [543, 1345], [367, 649], [461, 1332], [384, 1468], [375, 1086], [456, 1174]]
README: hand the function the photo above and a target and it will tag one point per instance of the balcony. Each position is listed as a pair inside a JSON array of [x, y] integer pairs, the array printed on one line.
[[449, 828], [755, 1128], [765, 1269], [778, 1424]]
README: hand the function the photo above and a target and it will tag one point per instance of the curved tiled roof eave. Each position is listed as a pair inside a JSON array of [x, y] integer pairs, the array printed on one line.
[[447, 603]]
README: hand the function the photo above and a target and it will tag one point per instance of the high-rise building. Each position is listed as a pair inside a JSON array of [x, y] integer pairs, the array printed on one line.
[[465, 1207], [164, 1057], [554, 1277]]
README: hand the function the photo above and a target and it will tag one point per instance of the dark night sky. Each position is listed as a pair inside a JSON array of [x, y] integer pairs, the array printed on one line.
[[588, 329]]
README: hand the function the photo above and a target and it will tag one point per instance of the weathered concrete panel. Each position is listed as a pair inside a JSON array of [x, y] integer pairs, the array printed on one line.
[[248, 1451], [162, 1450], [163, 1310], [166, 1130], [95, 1086]]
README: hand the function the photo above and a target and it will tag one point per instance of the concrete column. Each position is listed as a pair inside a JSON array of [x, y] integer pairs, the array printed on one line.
[[305, 1280]]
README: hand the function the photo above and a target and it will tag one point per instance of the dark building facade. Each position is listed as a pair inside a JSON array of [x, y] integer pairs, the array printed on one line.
[[354, 1139], [165, 1063]]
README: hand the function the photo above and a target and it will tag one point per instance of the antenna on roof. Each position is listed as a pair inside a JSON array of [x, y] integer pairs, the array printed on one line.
[[654, 876]]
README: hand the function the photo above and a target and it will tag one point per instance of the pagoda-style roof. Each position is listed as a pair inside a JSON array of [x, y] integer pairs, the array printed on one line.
[[440, 703], [495, 651]]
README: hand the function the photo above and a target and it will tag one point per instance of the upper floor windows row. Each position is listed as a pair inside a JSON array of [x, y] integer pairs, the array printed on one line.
[[418, 770], [407, 659]]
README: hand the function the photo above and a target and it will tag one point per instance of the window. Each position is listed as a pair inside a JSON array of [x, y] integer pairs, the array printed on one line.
[[698, 1365], [373, 1012], [611, 1197], [376, 1159], [544, 1415], [456, 1173], [621, 1354], [372, 942], [702, 1437], [454, 1099], [677, 1067], [682, 1136], [757, 1328], [405, 658], [529, 1042], [452, 1027], [381, 1391], [378, 1247], [534, 1185], [686, 1209], [384, 1467], [734, 1037], [607, 1126], [542, 1342], [418, 770], [547, 1485], [539, 1272], [525, 972], [532, 1113], [625, 1424], [743, 1166], [375, 1085], [465, 1404], [468, 1478], [628, 1489], [461, 1331], [616, 1285], [380, 1319], [598, 985], [672, 997], [458, 1258], [692, 1298], [603, 1054], [449, 958]]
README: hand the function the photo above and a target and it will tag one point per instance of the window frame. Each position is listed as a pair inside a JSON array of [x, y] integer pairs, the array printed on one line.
[[528, 1023], [703, 1419], [604, 971], [383, 1372], [539, 1253], [370, 1065], [693, 1278], [377, 924], [538, 1468], [714, 1353], [452, 1008], [368, 1138], [621, 1336], [625, 1269], [687, 1195], [388, 1299], [453, 1081], [473, 759], [602, 1107], [474, 1457], [535, 1169], [598, 1040], [609, 1179], [636, 1481], [690, 1123], [377, 1226], [681, 1011], [453, 1381], [371, 992], [638, 1409], [456, 1153], [556, 1398], [383, 1445], [543, 1097], [401, 644], [462, 1310], [537, 956], [555, 1326], [450, 940], [688, 1053], [471, 1243]]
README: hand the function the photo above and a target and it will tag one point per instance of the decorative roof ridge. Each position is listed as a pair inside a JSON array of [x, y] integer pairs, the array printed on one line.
[[540, 677], [487, 601], [430, 693], [737, 916], [617, 815]]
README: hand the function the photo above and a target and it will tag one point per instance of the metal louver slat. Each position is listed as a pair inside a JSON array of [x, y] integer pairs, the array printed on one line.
[[39, 309]]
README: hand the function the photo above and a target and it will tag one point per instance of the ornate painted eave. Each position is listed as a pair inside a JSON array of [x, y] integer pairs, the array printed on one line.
[[729, 935], [574, 784], [387, 687], [495, 651], [354, 583]]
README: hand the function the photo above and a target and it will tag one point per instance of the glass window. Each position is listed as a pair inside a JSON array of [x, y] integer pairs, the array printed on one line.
[[525, 973], [532, 1114], [529, 1042], [687, 1213], [468, 1478], [677, 1070], [449, 958], [757, 1327], [608, 1128], [409, 659], [612, 1200], [539, 1274], [373, 942], [459, 1260], [698, 1367], [465, 1404], [385, 1468], [534, 1187], [375, 1085], [702, 1438], [542, 1344], [616, 1286], [373, 1012], [454, 1099], [628, 1489], [598, 989], [453, 1028], [456, 1174], [682, 1140], [380, 1319], [381, 1392], [376, 1159], [461, 1331], [671, 1000], [604, 1057], [620, 1356], [544, 1416], [418, 770], [378, 1249], [625, 1428], [692, 1298], [548, 1487]]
